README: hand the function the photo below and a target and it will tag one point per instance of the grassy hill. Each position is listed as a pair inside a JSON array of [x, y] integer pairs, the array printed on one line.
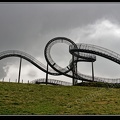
[[36, 99]]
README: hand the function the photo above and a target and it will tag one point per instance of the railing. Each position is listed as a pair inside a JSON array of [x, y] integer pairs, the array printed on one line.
[[51, 81], [93, 49], [10, 53]]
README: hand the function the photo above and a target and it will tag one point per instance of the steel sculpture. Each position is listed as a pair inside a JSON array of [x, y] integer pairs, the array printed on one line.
[[79, 52]]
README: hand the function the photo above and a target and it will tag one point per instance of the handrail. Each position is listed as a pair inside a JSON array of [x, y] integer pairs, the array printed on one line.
[[59, 82]]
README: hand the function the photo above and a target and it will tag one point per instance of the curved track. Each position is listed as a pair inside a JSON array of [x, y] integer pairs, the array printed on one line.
[[51, 81], [96, 50], [29, 58], [79, 52]]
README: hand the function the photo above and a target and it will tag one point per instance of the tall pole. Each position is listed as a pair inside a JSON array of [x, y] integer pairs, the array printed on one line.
[[74, 71], [19, 70], [47, 75], [92, 72]]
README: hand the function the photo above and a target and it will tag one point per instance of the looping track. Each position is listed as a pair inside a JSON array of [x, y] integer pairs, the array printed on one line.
[[79, 52]]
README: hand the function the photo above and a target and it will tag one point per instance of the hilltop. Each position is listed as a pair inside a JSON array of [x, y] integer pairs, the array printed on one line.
[[36, 99]]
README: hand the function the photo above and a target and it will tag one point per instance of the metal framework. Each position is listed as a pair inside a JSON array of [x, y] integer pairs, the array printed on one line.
[[79, 52]]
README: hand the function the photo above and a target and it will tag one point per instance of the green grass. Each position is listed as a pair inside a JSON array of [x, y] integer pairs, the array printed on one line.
[[36, 99]]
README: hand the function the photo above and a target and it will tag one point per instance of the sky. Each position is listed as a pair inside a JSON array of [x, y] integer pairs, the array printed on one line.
[[28, 27]]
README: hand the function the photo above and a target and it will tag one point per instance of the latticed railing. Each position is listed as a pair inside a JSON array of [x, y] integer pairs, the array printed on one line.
[[51, 81], [34, 61], [97, 50]]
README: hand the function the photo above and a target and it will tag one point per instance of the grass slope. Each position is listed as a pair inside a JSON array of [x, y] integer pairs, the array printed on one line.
[[35, 99]]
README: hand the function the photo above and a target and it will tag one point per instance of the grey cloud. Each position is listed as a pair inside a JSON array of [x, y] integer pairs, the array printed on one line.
[[32, 74], [21, 24]]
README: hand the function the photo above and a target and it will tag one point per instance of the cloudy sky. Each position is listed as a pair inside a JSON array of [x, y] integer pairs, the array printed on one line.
[[29, 26]]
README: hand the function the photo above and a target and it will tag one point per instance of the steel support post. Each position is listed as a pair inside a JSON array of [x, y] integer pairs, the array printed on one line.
[[19, 70], [47, 75], [92, 72], [74, 71]]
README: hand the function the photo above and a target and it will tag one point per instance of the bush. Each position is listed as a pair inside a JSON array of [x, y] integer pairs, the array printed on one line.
[[99, 84]]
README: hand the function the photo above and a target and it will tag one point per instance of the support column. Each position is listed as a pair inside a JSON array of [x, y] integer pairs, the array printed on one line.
[[74, 71], [47, 75], [92, 72], [75, 64], [19, 70]]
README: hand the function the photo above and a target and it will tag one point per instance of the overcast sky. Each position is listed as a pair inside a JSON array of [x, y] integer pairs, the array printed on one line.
[[29, 26]]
